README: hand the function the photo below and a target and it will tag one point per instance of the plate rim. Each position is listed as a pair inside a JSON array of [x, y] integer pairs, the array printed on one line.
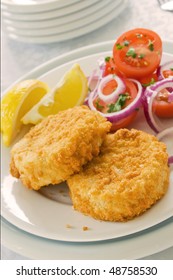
[[36, 7], [75, 33], [33, 12], [109, 249], [69, 26], [52, 63], [52, 22]]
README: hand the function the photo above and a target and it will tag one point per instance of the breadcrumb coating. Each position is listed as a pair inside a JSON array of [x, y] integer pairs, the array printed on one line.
[[58, 146], [129, 175]]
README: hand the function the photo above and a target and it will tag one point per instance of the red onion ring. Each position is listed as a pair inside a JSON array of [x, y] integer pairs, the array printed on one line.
[[116, 116], [148, 98], [161, 137], [115, 94], [170, 160]]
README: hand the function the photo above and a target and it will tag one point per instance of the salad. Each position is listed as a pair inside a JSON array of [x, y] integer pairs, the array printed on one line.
[[133, 79]]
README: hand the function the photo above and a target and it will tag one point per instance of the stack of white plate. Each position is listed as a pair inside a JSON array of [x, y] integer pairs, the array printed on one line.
[[46, 21]]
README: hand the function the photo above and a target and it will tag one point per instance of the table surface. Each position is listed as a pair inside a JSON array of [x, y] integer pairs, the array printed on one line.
[[20, 58]]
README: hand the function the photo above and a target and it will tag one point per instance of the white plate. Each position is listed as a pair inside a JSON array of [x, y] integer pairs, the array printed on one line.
[[50, 14], [58, 20], [131, 247], [59, 29], [136, 246], [36, 214], [33, 6], [74, 33]]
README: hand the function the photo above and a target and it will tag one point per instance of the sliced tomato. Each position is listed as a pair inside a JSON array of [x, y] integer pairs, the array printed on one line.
[[137, 53], [161, 107], [124, 122], [103, 107], [109, 87], [111, 68], [148, 80], [167, 73]]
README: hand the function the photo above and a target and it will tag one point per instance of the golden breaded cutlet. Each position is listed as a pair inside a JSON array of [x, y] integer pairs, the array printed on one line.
[[58, 146], [130, 174]]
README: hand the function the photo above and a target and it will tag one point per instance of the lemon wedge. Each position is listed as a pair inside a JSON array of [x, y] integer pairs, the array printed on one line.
[[15, 103], [71, 91]]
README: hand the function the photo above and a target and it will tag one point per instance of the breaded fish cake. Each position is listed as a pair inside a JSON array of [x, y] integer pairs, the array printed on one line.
[[128, 177], [58, 146]]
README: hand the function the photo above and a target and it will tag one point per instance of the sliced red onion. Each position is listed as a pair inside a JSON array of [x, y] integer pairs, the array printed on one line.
[[170, 160], [117, 116], [166, 136], [101, 63], [92, 77], [170, 97], [161, 68], [158, 86], [148, 98], [112, 97], [95, 76]]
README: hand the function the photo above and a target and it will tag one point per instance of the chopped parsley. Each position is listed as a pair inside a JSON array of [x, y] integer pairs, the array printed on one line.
[[142, 55], [150, 83], [117, 106], [98, 105], [131, 52], [107, 59], [126, 43], [119, 47], [171, 69], [151, 45]]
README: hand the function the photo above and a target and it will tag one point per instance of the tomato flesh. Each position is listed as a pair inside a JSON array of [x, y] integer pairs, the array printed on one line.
[[167, 73], [137, 53], [109, 87], [161, 107], [111, 68], [148, 80]]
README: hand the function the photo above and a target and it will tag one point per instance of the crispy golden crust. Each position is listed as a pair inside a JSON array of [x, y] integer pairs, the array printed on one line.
[[58, 146], [127, 178]]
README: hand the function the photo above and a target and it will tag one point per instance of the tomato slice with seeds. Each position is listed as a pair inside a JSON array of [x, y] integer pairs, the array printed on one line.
[[111, 68], [167, 73], [161, 107], [148, 80], [137, 53]]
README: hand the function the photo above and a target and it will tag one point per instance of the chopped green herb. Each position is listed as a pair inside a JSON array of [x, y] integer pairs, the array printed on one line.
[[126, 43], [115, 107], [150, 83], [171, 69], [151, 45], [98, 105], [89, 89], [119, 47], [142, 55], [131, 52], [107, 59]]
